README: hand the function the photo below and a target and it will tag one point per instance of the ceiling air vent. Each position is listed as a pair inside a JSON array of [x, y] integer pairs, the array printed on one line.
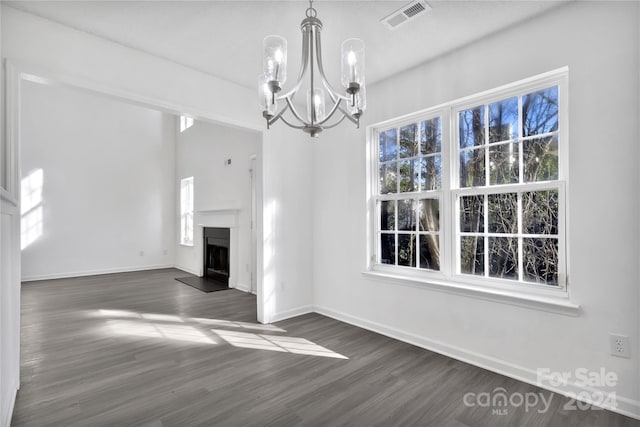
[[405, 14]]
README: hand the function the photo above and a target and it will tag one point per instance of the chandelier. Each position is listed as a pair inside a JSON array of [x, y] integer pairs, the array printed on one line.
[[349, 103]]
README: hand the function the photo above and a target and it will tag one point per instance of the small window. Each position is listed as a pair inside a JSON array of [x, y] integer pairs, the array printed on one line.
[[410, 179], [185, 123], [186, 211]]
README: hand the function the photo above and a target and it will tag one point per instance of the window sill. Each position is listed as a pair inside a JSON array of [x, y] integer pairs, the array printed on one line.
[[558, 305]]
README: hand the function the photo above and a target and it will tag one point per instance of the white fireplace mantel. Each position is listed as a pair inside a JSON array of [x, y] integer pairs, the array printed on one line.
[[219, 211], [220, 217]]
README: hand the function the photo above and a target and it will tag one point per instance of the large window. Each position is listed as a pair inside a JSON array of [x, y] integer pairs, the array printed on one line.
[[474, 191], [186, 211]]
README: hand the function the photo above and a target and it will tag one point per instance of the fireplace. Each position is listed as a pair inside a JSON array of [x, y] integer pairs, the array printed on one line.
[[216, 255]]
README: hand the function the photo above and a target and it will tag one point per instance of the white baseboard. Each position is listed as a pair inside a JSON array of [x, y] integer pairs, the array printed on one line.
[[625, 406], [95, 272], [9, 404], [242, 287], [294, 312]]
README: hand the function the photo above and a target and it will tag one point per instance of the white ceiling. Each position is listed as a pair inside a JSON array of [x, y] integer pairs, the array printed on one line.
[[224, 38]]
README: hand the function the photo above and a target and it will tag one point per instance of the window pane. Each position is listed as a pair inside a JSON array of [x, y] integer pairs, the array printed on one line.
[[429, 214], [430, 173], [540, 212], [388, 215], [503, 257], [503, 120], [503, 213], [540, 112], [472, 214], [471, 127], [540, 260], [388, 145], [430, 251], [503, 163], [388, 178], [472, 255], [409, 175], [540, 156], [406, 215], [430, 136], [408, 142], [388, 249], [407, 250], [472, 170]]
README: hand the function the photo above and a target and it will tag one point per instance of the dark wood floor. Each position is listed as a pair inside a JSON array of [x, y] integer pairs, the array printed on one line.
[[136, 349]]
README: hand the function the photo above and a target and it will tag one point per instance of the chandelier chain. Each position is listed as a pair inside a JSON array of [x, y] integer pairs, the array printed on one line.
[[311, 12]]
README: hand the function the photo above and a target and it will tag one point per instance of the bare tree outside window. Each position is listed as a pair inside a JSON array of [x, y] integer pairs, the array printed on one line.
[[506, 248]]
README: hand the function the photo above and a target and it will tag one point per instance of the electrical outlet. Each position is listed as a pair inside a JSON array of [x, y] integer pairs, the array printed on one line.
[[619, 345]]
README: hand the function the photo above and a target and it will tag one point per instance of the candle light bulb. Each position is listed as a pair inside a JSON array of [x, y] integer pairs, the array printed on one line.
[[351, 57], [352, 64]]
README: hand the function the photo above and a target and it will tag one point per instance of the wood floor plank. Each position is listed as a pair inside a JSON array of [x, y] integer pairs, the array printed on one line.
[[141, 349]]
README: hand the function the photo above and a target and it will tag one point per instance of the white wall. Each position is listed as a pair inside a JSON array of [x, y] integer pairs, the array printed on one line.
[[200, 152], [288, 222], [107, 196], [599, 43]]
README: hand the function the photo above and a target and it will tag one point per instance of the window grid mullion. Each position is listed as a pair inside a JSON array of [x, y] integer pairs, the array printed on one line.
[[416, 227], [487, 170], [487, 182], [395, 232], [520, 143], [485, 239], [520, 240]]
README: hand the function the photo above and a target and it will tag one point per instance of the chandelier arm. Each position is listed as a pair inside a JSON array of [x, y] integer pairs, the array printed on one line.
[[279, 115], [303, 67], [333, 110], [336, 123], [295, 112], [325, 82], [290, 124], [348, 115], [342, 110]]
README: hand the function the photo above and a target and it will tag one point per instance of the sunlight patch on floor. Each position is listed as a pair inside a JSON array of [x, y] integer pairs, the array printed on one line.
[[158, 330], [196, 330], [275, 343], [235, 324]]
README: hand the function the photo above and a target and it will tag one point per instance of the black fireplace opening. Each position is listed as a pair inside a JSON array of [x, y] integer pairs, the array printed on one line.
[[216, 255]]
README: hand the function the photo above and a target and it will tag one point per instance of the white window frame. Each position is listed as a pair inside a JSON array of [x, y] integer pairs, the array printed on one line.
[[186, 211], [449, 275]]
